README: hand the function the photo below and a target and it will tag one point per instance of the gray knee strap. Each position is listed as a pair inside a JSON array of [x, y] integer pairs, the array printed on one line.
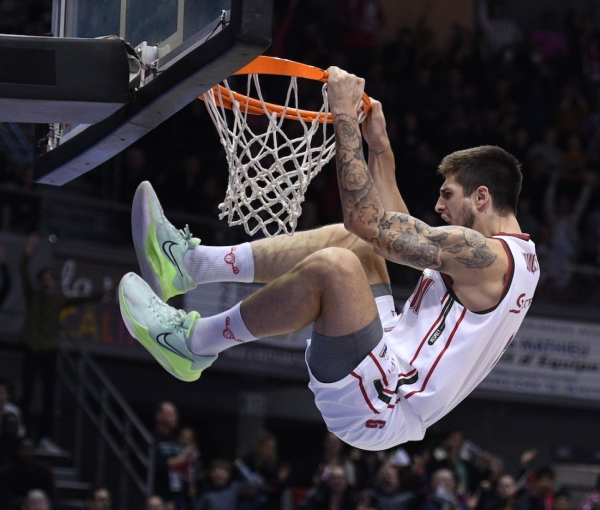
[[333, 358]]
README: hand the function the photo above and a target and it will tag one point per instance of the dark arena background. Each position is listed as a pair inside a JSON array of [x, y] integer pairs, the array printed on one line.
[[451, 74]]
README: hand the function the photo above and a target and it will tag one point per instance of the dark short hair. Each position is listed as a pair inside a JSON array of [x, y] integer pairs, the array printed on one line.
[[91, 493], [489, 166], [159, 407], [544, 471], [222, 464], [562, 493]]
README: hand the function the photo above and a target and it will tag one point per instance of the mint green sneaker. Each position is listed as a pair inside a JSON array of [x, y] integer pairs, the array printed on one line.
[[159, 246], [161, 329]]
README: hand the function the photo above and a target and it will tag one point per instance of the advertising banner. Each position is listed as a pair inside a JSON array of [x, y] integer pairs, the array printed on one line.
[[550, 358]]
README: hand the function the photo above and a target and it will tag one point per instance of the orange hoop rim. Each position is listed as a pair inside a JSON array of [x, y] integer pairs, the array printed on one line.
[[279, 67]]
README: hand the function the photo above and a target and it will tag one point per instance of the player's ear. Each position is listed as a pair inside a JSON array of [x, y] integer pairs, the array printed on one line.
[[482, 197]]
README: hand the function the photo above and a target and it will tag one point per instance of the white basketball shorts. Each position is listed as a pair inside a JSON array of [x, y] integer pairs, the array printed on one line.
[[362, 409]]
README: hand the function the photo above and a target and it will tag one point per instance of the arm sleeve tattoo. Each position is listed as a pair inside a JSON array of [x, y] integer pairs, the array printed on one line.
[[401, 237]]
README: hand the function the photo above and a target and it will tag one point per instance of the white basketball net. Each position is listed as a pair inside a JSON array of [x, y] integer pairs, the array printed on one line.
[[269, 172]]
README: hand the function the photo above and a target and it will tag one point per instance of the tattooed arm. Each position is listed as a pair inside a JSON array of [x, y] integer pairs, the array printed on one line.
[[381, 159], [458, 251]]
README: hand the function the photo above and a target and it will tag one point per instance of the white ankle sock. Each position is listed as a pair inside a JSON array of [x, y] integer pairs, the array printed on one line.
[[207, 264], [211, 335]]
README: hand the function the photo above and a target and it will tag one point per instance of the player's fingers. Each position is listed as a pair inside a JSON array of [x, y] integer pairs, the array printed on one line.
[[361, 84]]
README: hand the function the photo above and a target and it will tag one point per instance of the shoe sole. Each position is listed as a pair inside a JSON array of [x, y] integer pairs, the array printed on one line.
[[149, 344], [142, 209]]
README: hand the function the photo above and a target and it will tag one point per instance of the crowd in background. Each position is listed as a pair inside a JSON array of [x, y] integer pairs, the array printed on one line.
[[449, 474], [534, 94]]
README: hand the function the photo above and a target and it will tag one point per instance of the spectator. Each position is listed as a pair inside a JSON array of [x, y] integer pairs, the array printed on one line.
[[333, 454], [502, 35], [36, 500], [571, 111], [187, 464], [8, 407], [263, 461], [447, 455], [222, 492], [541, 495], [548, 150], [98, 498], [366, 466], [39, 336], [387, 493], [23, 475], [563, 217], [504, 495], [332, 493], [562, 500], [155, 502], [168, 482], [443, 494], [547, 43], [591, 501]]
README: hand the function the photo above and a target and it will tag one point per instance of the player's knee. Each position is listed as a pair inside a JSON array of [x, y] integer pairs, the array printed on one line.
[[330, 264]]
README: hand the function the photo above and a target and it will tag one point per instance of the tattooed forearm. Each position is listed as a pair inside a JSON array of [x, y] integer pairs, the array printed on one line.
[[409, 247], [357, 190], [412, 242]]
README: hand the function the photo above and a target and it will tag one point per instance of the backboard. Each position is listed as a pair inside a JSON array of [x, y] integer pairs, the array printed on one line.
[[177, 49]]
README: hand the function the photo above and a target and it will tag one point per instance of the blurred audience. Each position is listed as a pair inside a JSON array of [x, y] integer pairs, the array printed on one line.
[[591, 500], [154, 503], [263, 461], [36, 500], [39, 337], [168, 481], [22, 475], [332, 492], [7, 407], [98, 498], [222, 491]]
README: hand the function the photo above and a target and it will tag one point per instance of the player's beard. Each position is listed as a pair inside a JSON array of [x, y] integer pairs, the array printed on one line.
[[468, 217]]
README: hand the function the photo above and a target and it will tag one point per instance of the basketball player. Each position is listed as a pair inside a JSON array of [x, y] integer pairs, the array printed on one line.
[[379, 379]]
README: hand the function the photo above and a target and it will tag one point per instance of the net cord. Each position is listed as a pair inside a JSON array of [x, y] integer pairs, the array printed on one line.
[[269, 172]]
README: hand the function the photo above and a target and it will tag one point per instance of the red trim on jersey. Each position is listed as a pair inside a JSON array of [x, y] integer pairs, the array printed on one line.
[[389, 392], [510, 272], [524, 237], [437, 321], [406, 375], [462, 315], [364, 392], [385, 381], [444, 297]]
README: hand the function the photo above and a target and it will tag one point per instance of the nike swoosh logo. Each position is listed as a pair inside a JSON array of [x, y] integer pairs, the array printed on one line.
[[169, 253], [162, 340]]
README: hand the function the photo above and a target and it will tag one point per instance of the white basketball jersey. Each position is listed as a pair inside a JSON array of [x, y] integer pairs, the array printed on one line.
[[445, 350]]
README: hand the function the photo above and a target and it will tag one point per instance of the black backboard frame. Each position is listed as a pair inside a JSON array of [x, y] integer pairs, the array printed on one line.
[[245, 37]]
